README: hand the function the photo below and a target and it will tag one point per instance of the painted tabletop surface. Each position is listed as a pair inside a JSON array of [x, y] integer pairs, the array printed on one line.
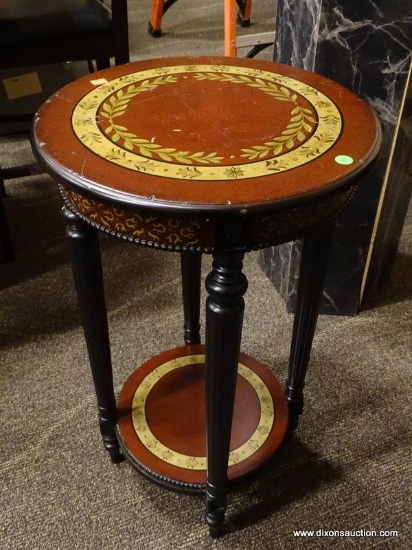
[[205, 133]]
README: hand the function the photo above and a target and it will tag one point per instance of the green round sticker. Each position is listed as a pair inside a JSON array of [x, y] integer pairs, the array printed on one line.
[[343, 159]]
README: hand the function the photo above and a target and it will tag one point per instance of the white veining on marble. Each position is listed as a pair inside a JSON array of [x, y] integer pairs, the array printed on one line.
[[367, 47], [340, 31], [297, 32]]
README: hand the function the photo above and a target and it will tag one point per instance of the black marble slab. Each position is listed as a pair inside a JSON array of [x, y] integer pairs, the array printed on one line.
[[366, 46]]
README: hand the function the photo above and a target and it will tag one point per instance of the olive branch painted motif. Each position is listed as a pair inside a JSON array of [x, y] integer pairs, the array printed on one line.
[[116, 106], [301, 118]]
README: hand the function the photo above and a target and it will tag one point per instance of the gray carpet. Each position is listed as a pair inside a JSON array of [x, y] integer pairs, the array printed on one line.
[[349, 465]]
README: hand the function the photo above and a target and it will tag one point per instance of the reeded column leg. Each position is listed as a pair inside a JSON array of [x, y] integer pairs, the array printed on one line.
[[226, 285], [313, 264], [84, 250], [190, 266]]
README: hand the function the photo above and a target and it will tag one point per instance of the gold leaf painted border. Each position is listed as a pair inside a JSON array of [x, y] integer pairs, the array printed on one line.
[[327, 132], [146, 436]]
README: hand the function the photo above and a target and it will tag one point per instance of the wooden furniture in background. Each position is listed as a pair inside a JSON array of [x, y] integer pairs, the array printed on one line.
[[56, 31], [51, 31]]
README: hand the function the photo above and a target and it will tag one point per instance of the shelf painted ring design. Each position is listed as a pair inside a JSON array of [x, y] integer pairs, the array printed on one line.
[[156, 447], [303, 139]]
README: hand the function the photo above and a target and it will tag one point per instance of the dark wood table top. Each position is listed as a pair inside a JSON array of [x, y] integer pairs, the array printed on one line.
[[205, 135]]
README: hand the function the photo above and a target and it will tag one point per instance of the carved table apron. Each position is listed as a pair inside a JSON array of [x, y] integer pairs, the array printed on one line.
[[203, 155]]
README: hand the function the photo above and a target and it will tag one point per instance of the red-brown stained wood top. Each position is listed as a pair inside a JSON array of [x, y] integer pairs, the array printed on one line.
[[207, 133]]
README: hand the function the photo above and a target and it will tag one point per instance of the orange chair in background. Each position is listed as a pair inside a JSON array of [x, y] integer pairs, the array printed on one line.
[[235, 11]]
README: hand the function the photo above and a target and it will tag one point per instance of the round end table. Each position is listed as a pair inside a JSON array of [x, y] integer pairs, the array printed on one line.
[[203, 155]]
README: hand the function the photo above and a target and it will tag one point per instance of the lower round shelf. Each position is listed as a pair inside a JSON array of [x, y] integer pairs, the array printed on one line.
[[161, 424]]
